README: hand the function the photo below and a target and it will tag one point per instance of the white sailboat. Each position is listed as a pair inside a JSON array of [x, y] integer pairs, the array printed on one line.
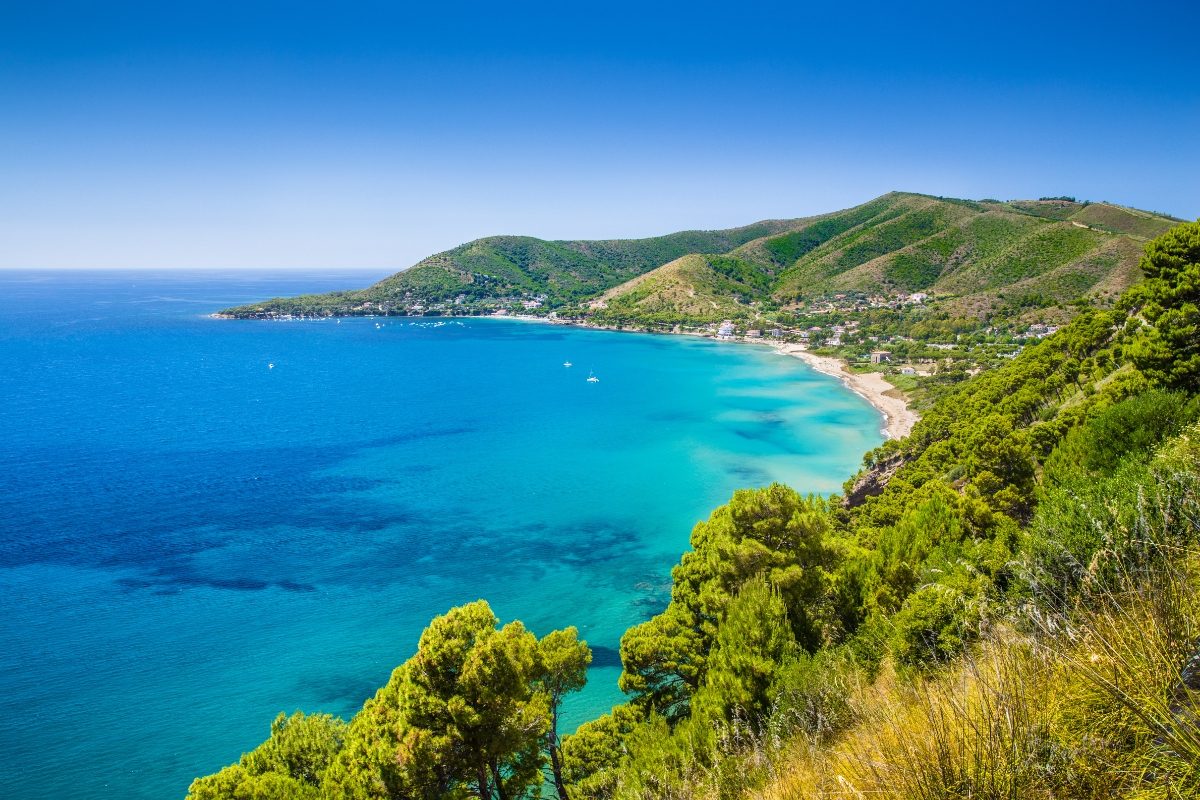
[[592, 378]]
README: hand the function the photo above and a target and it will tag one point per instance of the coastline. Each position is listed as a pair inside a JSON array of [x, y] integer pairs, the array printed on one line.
[[885, 398], [871, 386]]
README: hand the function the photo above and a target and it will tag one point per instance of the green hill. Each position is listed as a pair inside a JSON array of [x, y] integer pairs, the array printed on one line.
[[977, 258], [693, 289], [510, 268], [976, 254]]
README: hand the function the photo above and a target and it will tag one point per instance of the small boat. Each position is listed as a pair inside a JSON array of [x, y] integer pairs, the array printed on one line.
[[271, 365], [567, 364], [592, 378]]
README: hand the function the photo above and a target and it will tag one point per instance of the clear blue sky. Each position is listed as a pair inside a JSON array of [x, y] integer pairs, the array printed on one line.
[[190, 134]]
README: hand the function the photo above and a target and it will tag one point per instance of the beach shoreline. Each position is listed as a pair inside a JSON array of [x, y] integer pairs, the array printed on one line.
[[889, 401]]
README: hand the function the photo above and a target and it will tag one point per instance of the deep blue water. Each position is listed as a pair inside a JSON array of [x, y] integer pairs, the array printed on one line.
[[191, 541]]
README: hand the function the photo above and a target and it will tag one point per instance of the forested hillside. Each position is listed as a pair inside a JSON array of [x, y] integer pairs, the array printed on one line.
[[499, 270], [1003, 604]]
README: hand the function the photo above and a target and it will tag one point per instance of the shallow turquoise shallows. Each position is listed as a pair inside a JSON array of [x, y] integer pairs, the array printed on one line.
[[192, 539]]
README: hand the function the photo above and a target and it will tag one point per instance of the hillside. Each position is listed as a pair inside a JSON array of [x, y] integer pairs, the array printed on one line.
[[501, 270], [693, 289], [977, 256]]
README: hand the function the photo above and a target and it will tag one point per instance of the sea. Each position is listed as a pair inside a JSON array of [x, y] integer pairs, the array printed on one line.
[[205, 522]]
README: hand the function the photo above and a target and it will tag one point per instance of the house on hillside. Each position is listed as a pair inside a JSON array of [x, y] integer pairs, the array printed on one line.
[[880, 356], [1041, 331], [725, 332]]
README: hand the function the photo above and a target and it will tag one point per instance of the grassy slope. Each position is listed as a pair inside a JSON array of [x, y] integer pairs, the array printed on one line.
[[1118, 219], [907, 220], [1083, 700], [712, 287], [981, 254], [695, 288], [1024, 716], [1102, 216], [1058, 250]]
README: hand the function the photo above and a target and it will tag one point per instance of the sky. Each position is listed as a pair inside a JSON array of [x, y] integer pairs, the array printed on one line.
[[368, 135]]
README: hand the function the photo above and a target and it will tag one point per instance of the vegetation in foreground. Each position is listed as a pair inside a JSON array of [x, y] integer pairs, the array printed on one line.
[[1004, 604]]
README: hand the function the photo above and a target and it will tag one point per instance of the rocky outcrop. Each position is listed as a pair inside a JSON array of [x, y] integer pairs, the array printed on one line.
[[873, 481]]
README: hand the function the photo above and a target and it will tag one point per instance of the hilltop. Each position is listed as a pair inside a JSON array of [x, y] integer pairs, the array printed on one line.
[[980, 256]]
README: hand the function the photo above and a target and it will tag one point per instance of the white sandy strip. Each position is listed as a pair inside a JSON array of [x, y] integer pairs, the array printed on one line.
[[871, 386]]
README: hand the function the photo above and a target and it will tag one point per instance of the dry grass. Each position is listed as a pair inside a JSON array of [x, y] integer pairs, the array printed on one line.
[[1090, 707]]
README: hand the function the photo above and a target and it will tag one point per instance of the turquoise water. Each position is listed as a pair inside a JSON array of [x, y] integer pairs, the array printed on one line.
[[192, 541]]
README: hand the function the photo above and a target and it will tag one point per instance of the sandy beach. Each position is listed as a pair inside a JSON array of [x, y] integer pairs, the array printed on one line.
[[871, 386]]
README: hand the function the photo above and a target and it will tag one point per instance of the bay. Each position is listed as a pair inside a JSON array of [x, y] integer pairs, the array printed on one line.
[[206, 522]]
